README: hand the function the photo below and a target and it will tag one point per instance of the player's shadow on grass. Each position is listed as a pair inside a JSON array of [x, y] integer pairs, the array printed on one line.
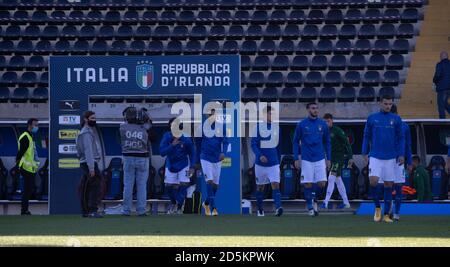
[[194, 225]]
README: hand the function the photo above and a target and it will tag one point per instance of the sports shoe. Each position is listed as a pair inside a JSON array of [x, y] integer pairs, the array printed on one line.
[[387, 219], [207, 209], [170, 210], [95, 215], [396, 217], [311, 213], [316, 208], [179, 211], [25, 213], [377, 216], [279, 212], [260, 213], [142, 215], [215, 212]]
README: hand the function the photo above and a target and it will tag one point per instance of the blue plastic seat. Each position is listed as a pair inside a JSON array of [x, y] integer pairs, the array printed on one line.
[[333, 78], [236, 32], [272, 32], [241, 17], [289, 94], [327, 94], [124, 32], [294, 79], [280, 63], [391, 78], [315, 16], [324, 47], [173, 48], [211, 48], [391, 15], [278, 17], [87, 32], [248, 48], [285, 47], [313, 78], [269, 94], [311, 32], [381, 46], [352, 78], [395, 62], [32, 31], [13, 32], [180, 32], [131, 16], [410, 15], [192, 47], [43, 47], [222, 17], [69, 31], [297, 17], [342, 46], [300, 63], [119, 47], [6, 46], [217, 32], [308, 94], [387, 31], [302, 4], [230, 47], [267, 47], [155, 47], [400, 46], [76, 15], [372, 15], [112, 16], [21, 15], [198, 32], [40, 95], [138, 47], [362, 47], [348, 31], [161, 32], [254, 32], [3, 62], [346, 94], [319, 63], [353, 16], [366, 94], [80, 47], [99, 47], [150, 17], [334, 16], [44, 78], [387, 91], [246, 63], [20, 95], [106, 32], [305, 47], [167, 18], [250, 94], [94, 16], [9, 77], [376, 62], [405, 31], [4, 94], [16, 62], [275, 79], [259, 17], [291, 31], [329, 31], [372, 78], [367, 31], [261, 63], [337, 62], [186, 17], [256, 79]]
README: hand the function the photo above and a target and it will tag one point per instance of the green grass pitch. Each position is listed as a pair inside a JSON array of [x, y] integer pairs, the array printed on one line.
[[194, 230]]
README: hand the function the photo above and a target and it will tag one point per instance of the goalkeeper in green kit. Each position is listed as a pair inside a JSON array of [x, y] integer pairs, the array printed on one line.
[[340, 150]]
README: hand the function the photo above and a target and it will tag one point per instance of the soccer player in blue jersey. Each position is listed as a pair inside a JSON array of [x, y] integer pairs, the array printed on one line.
[[180, 156], [313, 137], [400, 173], [267, 162], [384, 148], [212, 152]]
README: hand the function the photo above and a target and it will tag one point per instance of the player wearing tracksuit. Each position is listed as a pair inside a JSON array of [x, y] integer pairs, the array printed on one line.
[[180, 156], [212, 152], [340, 150], [400, 173], [313, 137], [267, 164], [384, 148]]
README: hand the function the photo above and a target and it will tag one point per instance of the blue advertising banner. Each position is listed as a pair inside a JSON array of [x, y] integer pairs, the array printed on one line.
[[74, 79]]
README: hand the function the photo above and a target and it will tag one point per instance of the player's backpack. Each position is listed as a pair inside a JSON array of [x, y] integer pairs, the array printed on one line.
[[439, 179], [42, 192], [288, 182], [114, 179], [3, 179]]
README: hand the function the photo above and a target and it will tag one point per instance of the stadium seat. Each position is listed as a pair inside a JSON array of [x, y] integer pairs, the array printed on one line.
[[43, 80], [353, 16], [315, 16], [28, 77], [24, 47], [161, 32], [362, 47], [6, 46], [348, 31], [20, 95], [16, 62], [391, 15], [357, 62], [329, 32], [391, 78], [342, 46], [250, 94], [346, 94], [106, 32], [131, 16], [308, 94], [366, 94], [13, 32], [80, 47], [289, 94], [99, 47], [241, 17], [269, 94], [376, 62], [367, 31], [324, 47], [173, 48], [217, 32], [150, 17], [272, 32], [319, 63], [43, 47], [300, 63], [248, 48], [291, 32], [337, 62], [294, 79], [230, 47], [119, 47], [334, 16], [236, 32], [32, 32], [352, 78], [395, 62], [198, 32], [278, 17], [138, 47], [142, 32], [285, 47], [222, 17], [410, 15], [186, 17], [9, 77], [275, 79], [400, 46], [311, 32], [267, 47], [261, 63], [3, 62], [256, 79], [254, 32], [259, 17], [40, 95], [313, 78], [372, 78], [167, 18], [387, 31], [211, 48], [327, 94], [372, 15], [87, 32], [381, 46], [305, 47], [4, 94], [179, 32], [302, 4], [69, 31], [387, 91], [124, 32], [280, 63], [405, 31], [246, 63], [192, 47], [333, 78]]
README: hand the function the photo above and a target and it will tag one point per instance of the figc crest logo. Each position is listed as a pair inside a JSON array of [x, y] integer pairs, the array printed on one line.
[[144, 74]]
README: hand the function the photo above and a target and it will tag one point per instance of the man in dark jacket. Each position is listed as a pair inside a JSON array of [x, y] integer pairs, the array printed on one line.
[[442, 81]]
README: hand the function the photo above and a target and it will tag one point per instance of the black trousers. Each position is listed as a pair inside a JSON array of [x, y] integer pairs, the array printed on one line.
[[28, 186], [90, 189]]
